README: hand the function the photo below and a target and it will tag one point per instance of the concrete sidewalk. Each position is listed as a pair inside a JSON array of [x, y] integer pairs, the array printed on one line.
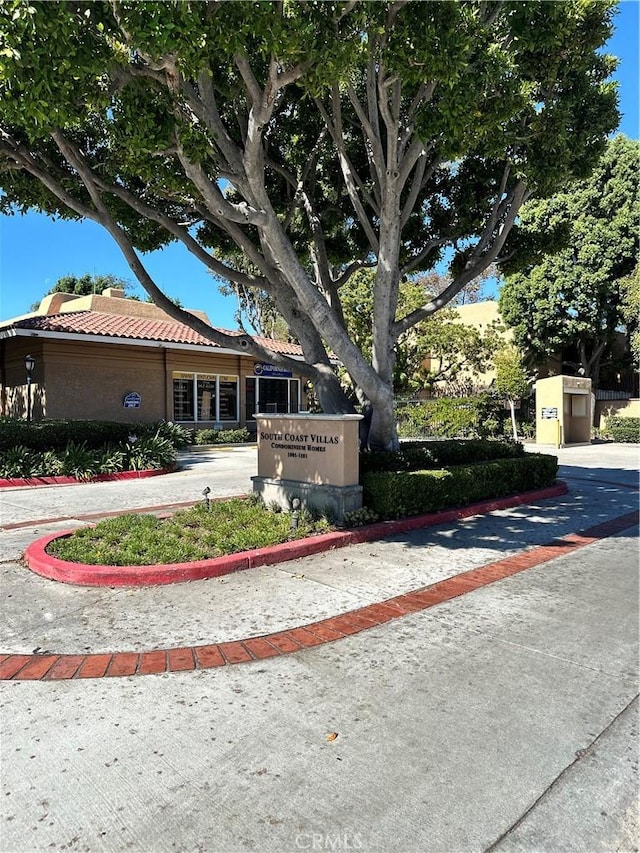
[[503, 719]]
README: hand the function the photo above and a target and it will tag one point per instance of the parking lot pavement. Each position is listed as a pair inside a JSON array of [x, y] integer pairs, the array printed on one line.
[[502, 719]]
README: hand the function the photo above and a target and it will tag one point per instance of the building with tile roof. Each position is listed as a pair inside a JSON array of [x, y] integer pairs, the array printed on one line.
[[109, 357]]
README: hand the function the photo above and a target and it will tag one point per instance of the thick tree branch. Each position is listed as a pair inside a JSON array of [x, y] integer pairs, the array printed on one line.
[[182, 234], [243, 342], [375, 153], [335, 130], [479, 260], [213, 198]]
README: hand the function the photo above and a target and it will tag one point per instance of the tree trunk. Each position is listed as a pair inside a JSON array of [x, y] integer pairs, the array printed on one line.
[[383, 432], [331, 396], [513, 420]]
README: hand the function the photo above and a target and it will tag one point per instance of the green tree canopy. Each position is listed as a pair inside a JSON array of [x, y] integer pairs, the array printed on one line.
[[288, 144], [86, 285], [630, 310], [570, 302]]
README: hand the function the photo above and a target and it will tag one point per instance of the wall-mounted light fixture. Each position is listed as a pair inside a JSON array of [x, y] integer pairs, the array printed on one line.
[[29, 364]]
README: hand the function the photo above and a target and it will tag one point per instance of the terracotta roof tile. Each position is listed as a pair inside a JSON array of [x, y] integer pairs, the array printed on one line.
[[137, 329]]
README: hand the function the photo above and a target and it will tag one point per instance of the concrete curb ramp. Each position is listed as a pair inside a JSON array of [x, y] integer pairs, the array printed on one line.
[[48, 566], [49, 667]]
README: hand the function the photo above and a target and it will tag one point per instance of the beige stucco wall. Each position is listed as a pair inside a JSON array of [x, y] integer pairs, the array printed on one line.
[[111, 301], [616, 408]]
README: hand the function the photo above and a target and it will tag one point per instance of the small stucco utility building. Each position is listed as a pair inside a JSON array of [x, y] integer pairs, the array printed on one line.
[[108, 357]]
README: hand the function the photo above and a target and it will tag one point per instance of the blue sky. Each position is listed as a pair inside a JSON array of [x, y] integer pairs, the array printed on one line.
[[36, 251]]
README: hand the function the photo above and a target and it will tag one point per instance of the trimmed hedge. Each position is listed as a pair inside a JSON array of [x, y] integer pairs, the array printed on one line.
[[223, 436], [397, 494], [624, 429], [58, 434], [423, 455]]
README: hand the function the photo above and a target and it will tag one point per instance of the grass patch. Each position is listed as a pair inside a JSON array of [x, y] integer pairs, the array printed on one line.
[[229, 526]]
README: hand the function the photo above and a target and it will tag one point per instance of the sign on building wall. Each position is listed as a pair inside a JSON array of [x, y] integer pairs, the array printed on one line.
[[271, 370], [132, 400], [549, 413]]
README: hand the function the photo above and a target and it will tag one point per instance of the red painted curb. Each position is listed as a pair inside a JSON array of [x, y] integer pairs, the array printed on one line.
[[48, 566], [74, 481], [49, 667]]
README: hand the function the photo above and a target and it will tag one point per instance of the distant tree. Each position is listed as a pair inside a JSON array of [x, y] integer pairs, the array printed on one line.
[[257, 312], [570, 302], [630, 310], [453, 349], [86, 285], [475, 291], [512, 381], [437, 349]]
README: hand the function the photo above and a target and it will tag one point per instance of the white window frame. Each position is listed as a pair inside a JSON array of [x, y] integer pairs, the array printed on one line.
[[217, 377]]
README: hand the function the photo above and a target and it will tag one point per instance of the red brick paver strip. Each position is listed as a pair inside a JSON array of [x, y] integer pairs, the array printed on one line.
[[181, 660], [152, 662], [20, 667]]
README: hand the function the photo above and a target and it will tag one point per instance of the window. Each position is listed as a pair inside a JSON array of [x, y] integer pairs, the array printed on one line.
[[228, 398], [216, 397], [182, 397], [272, 395], [250, 398], [206, 386]]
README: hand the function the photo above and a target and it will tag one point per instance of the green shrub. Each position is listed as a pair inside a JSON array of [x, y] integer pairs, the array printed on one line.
[[421, 455], [18, 462], [459, 417], [223, 436], [624, 429], [178, 435], [360, 517], [151, 451], [77, 460], [193, 534], [393, 494], [112, 460], [56, 435], [83, 462]]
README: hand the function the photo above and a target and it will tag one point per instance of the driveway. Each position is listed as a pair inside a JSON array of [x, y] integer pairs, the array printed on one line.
[[503, 719]]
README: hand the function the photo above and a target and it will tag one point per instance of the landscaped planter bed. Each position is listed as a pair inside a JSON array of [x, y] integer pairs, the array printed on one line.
[[46, 565]]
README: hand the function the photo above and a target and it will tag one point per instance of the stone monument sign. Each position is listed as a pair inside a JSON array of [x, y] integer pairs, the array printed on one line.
[[310, 457]]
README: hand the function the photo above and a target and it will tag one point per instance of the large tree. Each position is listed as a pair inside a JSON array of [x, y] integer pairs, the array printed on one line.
[[570, 301], [288, 144]]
